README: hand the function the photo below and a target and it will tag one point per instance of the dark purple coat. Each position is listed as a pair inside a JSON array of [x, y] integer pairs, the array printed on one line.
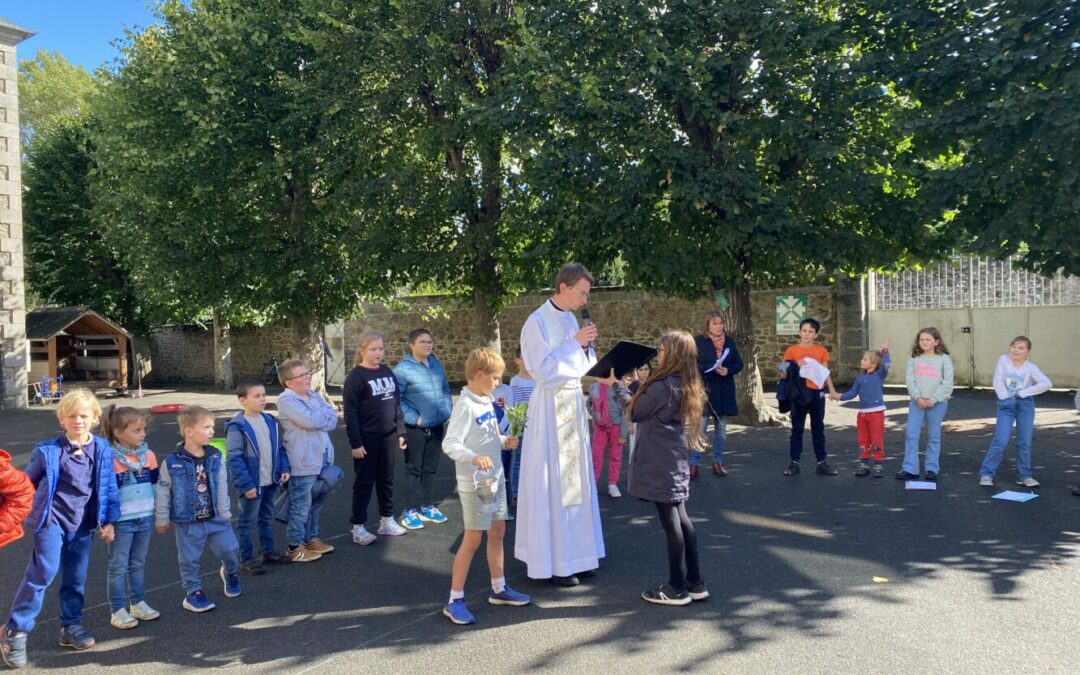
[[660, 465]]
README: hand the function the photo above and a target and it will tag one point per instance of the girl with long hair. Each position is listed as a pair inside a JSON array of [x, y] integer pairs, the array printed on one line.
[[667, 409]]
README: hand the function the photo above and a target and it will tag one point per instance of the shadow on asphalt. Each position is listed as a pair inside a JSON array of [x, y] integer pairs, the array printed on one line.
[[779, 554]]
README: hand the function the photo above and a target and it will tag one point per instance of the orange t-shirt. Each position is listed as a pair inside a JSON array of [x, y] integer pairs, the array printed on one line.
[[797, 353]]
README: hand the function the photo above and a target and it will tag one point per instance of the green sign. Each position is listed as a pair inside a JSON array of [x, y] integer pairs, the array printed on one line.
[[790, 310]]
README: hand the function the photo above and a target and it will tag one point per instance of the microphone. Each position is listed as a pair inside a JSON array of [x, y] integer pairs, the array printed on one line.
[[585, 318]]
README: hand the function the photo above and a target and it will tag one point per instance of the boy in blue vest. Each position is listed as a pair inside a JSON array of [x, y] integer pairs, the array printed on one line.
[[258, 465], [192, 493], [75, 493]]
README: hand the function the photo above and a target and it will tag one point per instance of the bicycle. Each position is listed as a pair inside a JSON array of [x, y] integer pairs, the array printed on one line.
[[270, 370]]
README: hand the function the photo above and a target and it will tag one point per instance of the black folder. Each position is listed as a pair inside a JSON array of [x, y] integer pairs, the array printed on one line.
[[623, 357]]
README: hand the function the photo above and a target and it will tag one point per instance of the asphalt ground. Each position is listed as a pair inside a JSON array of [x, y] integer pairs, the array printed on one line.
[[808, 574]]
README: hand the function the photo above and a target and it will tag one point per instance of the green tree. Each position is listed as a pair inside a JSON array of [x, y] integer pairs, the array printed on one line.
[[211, 174], [426, 97], [997, 130], [51, 88], [719, 145], [69, 260]]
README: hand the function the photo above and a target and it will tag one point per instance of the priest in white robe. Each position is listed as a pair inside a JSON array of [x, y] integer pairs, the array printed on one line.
[[558, 517]]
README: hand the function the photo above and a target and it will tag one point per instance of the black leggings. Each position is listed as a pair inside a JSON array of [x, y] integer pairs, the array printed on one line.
[[681, 544], [375, 471]]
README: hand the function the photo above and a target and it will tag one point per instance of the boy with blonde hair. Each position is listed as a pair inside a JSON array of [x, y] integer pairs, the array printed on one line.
[[75, 492], [474, 443], [192, 493], [306, 420]]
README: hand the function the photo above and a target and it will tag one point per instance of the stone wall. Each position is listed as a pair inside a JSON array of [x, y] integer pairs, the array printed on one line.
[[624, 314], [13, 345], [185, 353]]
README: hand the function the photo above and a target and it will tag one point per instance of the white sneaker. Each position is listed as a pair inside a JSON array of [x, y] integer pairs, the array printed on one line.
[[388, 527], [613, 491], [986, 481], [122, 620], [361, 536], [1028, 482], [144, 612]]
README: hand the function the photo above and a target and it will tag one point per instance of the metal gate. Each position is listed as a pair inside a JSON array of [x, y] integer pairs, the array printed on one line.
[[337, 361], [979, 305]]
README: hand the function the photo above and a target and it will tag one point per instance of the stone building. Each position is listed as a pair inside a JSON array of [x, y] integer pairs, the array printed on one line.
[[12, 293]]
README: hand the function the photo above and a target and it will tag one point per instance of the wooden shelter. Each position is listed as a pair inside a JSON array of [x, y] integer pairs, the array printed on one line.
[[80, 344]]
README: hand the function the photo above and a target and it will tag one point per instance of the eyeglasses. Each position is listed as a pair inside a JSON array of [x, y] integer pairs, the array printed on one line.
[[304, 375]]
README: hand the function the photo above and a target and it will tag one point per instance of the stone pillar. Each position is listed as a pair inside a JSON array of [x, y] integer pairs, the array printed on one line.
[[851, 336], [13, 345]]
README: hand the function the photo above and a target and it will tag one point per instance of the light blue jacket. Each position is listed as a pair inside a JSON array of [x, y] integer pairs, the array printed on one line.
[[304, 426], [424, 391]]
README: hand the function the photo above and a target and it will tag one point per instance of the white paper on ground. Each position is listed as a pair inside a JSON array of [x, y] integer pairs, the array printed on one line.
[[920, 485], [1013, 496]]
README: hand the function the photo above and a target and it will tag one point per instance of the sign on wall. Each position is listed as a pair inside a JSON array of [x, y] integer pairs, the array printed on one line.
[[790, 310]]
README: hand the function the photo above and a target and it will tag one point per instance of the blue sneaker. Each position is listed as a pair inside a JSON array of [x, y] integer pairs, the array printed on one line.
[[432, 514], [13, 647], [457, 612], [410, 520], [232, 583], [509, 596], [198, 602]]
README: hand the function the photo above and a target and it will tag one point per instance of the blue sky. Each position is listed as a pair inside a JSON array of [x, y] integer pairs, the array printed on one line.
[[81, 30]]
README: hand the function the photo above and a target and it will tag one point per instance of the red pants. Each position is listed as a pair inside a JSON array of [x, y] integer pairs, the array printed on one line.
[[871, 428], [607, 437]]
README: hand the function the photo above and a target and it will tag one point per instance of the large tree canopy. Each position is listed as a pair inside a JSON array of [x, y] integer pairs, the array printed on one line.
[[212, 171], [427, 113], [720, 144], [997, 127]]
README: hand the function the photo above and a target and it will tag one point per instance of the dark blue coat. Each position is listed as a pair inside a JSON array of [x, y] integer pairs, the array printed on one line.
[[244, 453], [720, 388]]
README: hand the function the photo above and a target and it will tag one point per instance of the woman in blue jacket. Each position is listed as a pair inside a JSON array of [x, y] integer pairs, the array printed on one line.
[[425, 404], [718, 362]]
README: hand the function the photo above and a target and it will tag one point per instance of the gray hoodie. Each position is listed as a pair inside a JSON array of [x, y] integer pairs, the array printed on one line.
[[305, 422]]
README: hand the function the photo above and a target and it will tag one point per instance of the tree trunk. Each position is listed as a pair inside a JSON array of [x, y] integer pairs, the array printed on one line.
[[487, 281], [749, 392], [487, 323], [307, 346], [223, 367]]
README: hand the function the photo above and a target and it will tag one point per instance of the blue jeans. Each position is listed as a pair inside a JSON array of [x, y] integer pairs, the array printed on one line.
[[54, 551], [719, 439], [258, 511], [303, 514], [933, 417], [127, 562], [191, 538], [515, 469], [1021, 412]]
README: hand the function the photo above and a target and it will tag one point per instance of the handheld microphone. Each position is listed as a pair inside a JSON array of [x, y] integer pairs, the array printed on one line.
[[585, 318]]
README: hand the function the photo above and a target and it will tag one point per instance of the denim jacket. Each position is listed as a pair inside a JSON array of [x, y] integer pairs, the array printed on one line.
[[174, 494], [425, 394], [244, 453], [45, 464]]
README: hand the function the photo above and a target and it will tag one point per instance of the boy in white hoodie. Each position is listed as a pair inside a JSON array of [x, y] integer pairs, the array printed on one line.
[[474, 443]]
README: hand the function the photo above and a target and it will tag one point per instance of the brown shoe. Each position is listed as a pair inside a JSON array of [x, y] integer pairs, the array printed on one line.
[[317, 545], [719, 469], [301, 554], [693, 471]]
